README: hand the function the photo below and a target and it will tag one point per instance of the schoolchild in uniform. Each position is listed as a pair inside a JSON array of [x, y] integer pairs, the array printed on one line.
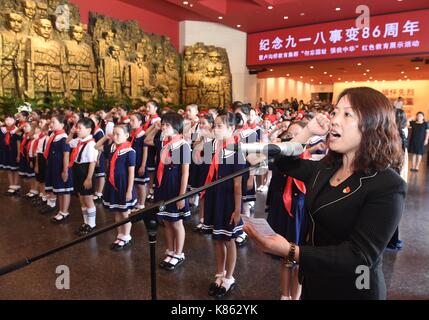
[[119, 195], [83, 160], [141, 178], [222, 204]]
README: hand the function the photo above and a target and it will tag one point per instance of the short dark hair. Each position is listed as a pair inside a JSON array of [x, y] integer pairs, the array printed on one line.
[[139, 116], [174, 119], [209, 118], [87, 123], [229, 119], [154, 104]]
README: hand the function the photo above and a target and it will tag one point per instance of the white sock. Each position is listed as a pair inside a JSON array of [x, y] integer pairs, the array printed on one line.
[[125, 238], [85, 215], [98, 194], [92, 212], [227, 282], [51, 203]]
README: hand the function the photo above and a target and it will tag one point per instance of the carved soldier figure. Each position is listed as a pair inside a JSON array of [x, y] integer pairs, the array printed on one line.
[[137, 78], [80, 58], [46, 64], [42, 10], [191, 81], [104, 44], [214, 57], [209, 88], [11, 62], [187, 57], [111, 72], [127, 52], [225, 85], [201, 57], [29, 8], [172, 79]]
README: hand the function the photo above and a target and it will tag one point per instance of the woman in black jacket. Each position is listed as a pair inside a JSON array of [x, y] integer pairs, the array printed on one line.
[[354, 199]]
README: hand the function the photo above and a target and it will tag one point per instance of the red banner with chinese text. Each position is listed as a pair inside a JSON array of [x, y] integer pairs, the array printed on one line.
[[393, 34]]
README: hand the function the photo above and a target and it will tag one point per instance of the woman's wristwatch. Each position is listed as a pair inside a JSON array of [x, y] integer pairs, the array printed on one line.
[[290, 259]]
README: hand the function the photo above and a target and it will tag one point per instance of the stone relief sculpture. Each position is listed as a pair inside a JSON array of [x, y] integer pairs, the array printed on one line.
[[206, 78], [46, 51]]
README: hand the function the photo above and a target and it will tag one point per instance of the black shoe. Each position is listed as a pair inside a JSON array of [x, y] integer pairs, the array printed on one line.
[[242, 242], [222, 292], [121, 245], [14, 193], [47, 209], [61, 220], [84, 230], [213, 289], [172, 266]]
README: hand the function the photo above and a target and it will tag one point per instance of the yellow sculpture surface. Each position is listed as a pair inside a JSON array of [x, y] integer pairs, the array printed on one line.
[[45, 51]]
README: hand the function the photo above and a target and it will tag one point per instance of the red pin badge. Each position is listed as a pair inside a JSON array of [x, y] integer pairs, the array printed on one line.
[[346, 190]]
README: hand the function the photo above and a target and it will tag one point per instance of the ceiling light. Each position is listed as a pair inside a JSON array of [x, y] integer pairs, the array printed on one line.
[[325, 72], [285, 17], [185, 2], [270, 7], [238, 25], [400, 80], [311, 80], [311, 67], [330, 76], [367, 70], [364, 74], [347, 82], [408, 79], [271, 70], [405, 77], [220, 17], [370, 78], [359, 64], [287, 74], [320, 82], [301, 77], [402, 72], [353, 81], [191, 5], [384, 80], [337, 9], [417, 68], [302, 13]]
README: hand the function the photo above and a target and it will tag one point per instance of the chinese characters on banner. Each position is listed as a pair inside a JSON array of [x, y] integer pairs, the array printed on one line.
[[401, 33]]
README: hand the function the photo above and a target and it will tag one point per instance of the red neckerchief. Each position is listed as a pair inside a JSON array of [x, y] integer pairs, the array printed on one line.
[[135, 133], [76, 151], [287, 193], [147, 124], [164, 155], [214, 165], [27, 149], [97, 127], [7, 136], [112, 166], [21, 124], [23, 142], [252, 126], [36, 143], [48, 146], [123, 119]]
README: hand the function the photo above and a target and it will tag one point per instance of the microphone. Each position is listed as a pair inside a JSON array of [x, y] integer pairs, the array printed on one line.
[[270, 149]]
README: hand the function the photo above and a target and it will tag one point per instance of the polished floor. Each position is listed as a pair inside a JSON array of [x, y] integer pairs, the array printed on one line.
[[98, 273]]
